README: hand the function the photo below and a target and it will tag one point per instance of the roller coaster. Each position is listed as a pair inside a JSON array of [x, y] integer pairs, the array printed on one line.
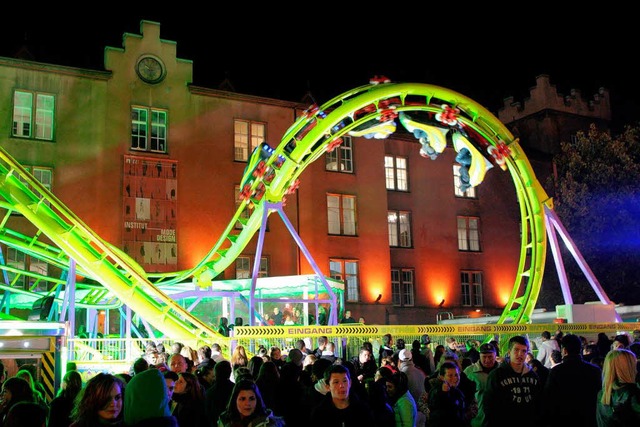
[[435, 115]]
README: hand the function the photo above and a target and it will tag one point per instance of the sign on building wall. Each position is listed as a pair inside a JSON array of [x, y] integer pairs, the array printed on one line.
[[150, 212]]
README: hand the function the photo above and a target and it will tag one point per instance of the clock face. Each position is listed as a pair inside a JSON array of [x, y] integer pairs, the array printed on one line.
[[150, 69]]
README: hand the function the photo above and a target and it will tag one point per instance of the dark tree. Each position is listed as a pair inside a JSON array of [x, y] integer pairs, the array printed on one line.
[[597, 197]]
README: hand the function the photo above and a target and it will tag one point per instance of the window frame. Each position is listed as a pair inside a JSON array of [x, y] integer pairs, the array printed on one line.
[[247, 135], [392, 173], [469, 193], [152, 129], [342, 213], [250, 259], [395, 228], [403, 287], [38, 116], [471, 288], [350, 280], [469, 239], [37, 172], [341, 155]]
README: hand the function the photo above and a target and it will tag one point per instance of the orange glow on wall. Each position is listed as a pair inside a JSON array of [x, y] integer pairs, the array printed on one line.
[[503, 297], [438, 295], [372, 293]]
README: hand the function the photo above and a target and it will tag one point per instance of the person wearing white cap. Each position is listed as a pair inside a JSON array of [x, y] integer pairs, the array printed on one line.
[[416, 380]]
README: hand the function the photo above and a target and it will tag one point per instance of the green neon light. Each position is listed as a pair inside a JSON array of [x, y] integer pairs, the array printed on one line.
[[304, 142]]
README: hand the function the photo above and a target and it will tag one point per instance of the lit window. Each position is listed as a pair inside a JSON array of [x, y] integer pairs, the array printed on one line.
[[468, 234], [244, 267], [402, 287], [23, 117], [347, 272], [341, 213], [395, 169], [399, 223], [469, 193], [471, 288], [143, 119], [247, 136], [341, 159]]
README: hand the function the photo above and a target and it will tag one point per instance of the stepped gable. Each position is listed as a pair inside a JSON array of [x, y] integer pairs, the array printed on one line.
[[545, 96]]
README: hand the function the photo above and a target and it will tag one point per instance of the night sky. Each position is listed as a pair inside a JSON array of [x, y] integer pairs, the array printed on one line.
[[485, 55]]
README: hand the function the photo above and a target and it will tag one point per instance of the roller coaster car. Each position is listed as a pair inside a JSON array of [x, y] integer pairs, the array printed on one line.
[[375, 129], [306, 129], [376, 80], [252, 196], [257, 165], [312, 110], [433, 136], [367, 109], [475, 161]]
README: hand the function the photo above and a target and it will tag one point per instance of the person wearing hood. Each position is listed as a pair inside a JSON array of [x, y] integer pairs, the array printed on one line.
[[147, 402], [246, 408]]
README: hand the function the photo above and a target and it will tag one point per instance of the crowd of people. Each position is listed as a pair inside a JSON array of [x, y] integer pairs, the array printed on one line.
[[449, 385]]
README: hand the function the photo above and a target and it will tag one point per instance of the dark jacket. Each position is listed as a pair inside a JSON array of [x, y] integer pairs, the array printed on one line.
[[216, 398], [512, 396], [447, 408], [268, 420], [60, 412], [169, 421], [189, 412], [571, 392], [325, 414], [624, 410]]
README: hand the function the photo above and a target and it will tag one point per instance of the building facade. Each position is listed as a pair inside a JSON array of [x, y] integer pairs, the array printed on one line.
[[153, 163]]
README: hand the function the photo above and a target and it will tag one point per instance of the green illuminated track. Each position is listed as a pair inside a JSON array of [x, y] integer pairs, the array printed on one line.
[[304, 142]]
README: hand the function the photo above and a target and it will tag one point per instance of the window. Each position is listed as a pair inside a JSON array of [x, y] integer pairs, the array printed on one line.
[[244, 267], [341, 212], [16, 260], [247, 136], [471, 288], [245, 213], [469, 193], [42, 175], [25, 263], [24, 103], [143, 119], [468, 234], [395, 169], [341, 159], [399, 229], [41, 268], [402, 287], [347, 272]]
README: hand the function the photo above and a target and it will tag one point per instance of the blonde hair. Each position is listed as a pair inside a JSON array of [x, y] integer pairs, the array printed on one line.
[[239, 357], [619, 368]]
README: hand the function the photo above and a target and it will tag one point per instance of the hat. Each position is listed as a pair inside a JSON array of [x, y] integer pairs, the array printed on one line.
[[405, 355], [295, 356], [487, 348]]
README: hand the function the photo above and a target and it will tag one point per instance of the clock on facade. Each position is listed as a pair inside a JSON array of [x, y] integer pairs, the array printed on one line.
[[150, 69]]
